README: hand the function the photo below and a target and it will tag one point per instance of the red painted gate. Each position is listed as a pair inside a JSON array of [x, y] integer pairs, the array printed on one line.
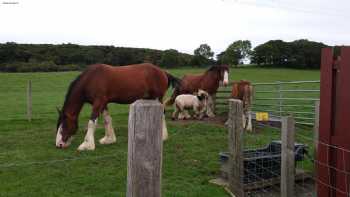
[[333, 162]]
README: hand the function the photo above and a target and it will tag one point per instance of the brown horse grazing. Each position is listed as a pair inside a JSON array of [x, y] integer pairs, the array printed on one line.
[[209, 82], [101, 84], [243, 90]]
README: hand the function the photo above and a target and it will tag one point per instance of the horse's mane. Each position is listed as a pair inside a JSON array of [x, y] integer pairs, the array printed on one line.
[[70, 89], [212, 68], [215, 68]]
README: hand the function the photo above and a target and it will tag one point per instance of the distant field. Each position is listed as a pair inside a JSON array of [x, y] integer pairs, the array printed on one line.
[[30, 165]]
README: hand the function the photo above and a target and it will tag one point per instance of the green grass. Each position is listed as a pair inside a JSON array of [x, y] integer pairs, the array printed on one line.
[[30, 165]]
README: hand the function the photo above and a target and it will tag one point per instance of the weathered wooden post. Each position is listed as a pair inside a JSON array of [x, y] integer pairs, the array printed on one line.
[[29, 100], [288, 158], [145, 148], [235, 141]]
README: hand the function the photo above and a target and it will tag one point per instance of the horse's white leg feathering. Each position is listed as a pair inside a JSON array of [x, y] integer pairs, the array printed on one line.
[[109, 137], [210, 107], [164, 130], [89, 140], [249, 127]]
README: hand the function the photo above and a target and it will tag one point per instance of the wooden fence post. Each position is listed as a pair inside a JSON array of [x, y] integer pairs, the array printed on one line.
[[145, 148], [288, 158], [29, 101], [235, 141]]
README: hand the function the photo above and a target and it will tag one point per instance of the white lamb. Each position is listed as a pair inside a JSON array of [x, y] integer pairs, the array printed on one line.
[[197, 102]]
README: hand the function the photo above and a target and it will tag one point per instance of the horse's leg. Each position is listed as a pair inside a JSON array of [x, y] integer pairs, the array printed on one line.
[[164, 127], [89, 140], [249, 127], [164, 130], [109, 137], [210, 112], [244, 120]]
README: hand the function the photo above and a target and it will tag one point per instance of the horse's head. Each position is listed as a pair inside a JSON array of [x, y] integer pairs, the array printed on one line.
[[66, 127], [222, 71]]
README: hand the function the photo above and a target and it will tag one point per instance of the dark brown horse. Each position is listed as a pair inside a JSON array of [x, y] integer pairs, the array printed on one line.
[[101, 84], [209, 82]]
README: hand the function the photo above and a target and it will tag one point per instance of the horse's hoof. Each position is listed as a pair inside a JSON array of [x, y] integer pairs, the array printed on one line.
[[165, 136], [249, 129], [211, 115], [107, 140], [85, 146]]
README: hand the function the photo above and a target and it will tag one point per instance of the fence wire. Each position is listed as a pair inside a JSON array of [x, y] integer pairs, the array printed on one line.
[[307, 180]]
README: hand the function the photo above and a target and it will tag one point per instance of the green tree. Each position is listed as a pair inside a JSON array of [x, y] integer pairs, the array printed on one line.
[[170, 58], [299, 53], [204, 50], [202, 55], [236, 52]]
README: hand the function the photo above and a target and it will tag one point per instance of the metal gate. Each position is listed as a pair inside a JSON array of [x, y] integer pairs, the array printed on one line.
[[333, 162]]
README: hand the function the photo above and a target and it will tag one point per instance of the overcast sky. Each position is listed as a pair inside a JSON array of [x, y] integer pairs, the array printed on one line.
[[178, 24]]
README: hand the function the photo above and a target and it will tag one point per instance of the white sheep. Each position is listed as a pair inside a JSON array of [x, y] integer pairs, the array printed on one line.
[[197, 102]]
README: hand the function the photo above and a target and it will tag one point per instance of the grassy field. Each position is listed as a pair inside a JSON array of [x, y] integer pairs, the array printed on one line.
[[30, 165]]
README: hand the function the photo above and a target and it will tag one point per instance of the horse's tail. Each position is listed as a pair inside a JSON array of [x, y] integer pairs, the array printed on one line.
[[171, 100], [173, 81], [176, 84]]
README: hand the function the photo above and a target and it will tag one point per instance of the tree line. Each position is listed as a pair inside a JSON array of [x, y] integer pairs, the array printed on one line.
[[47, 57]]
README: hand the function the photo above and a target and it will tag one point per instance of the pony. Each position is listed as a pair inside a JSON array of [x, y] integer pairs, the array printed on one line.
[[209, 81], [243, 90], [197, 102], [101, 84]]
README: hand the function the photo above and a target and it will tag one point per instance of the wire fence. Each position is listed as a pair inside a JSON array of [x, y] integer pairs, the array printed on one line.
[[266, 164], [262, 163], [34, 100]]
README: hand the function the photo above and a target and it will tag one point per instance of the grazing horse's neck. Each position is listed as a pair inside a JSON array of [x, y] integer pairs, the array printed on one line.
[[73, 105]]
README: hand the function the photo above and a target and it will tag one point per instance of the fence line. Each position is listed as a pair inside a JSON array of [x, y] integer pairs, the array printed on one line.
[[237, 166], [302, 186], [280, 99]]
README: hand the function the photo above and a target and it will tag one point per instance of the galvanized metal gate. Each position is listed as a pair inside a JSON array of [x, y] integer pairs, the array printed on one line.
[[281, 98], [333, 162]]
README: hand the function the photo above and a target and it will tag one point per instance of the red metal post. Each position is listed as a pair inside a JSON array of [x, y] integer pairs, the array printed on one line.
[[334, 133]]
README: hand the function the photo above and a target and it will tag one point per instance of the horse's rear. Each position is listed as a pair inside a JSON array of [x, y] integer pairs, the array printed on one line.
[[243, 90]]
